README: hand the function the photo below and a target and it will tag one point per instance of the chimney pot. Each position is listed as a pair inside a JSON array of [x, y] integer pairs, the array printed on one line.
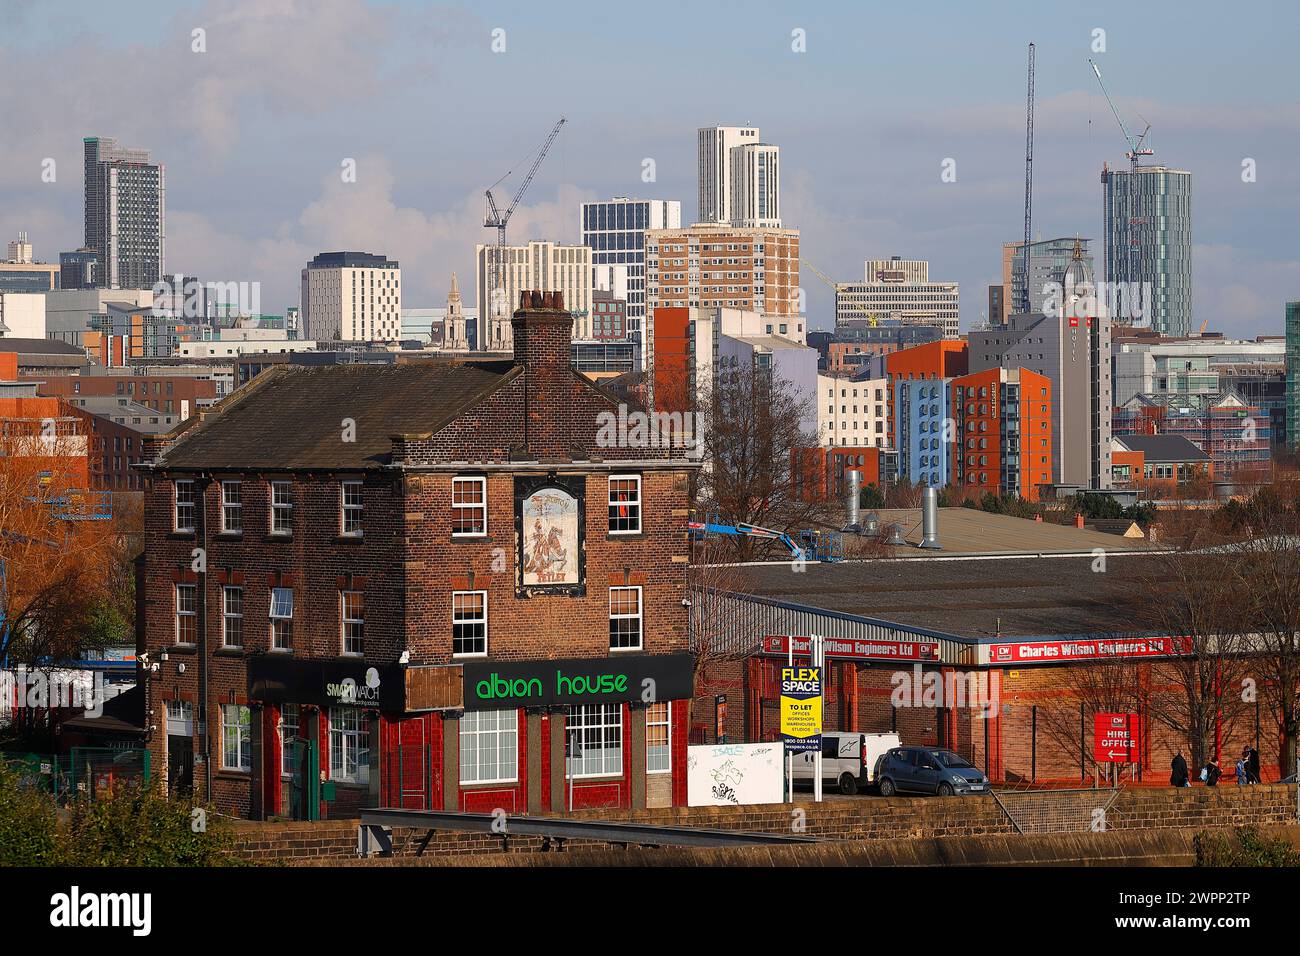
[[548, 300], [524, 298], [537, 299], [559, 301]]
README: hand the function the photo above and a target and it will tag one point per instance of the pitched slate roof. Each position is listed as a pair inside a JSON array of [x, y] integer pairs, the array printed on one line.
[[41, 347], [292, 416], [1163, 447]]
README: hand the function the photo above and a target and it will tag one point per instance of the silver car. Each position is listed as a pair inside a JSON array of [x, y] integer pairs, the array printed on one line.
[[928, 770]]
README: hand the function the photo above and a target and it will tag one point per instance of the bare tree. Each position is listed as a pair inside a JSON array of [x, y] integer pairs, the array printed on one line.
[[725, 629], [903, 494], [1266, 577], [1191, 599], [1112, 684], [753, 420]]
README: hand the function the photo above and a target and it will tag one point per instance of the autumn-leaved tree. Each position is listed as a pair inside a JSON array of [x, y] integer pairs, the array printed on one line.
[[63, 570]]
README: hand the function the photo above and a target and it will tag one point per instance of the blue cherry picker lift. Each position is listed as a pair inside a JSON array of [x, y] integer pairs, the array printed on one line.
[[812, 544]]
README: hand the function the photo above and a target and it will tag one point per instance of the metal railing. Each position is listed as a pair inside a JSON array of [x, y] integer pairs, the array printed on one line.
[[83, 772], [374, 833]]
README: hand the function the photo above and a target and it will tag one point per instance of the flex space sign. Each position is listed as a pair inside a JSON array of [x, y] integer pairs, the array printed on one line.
[[1116, 738], [855, 648], [497, 685], [1051, 652], [801, 708]]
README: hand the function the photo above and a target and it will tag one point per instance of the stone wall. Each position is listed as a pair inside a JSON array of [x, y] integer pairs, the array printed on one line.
[[867, 819]]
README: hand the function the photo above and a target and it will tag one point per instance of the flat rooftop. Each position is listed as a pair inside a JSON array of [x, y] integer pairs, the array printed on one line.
[[969, 531], [970, 597]]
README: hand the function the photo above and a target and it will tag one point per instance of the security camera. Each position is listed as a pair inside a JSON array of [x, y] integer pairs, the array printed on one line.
[[405, 658]]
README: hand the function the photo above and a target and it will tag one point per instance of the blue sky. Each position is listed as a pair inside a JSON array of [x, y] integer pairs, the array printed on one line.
[[253, 130]]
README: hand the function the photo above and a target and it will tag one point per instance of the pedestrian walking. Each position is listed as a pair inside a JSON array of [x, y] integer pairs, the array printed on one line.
[[1179, 777], [1211, 773], [1252, 764], [1243, 773]]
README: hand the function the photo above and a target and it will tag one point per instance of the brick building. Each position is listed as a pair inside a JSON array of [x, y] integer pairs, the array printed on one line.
[[1235, 435], [42, 431], [112, 450], [1158, 462], [756, 269], [1006, 661], [422, 582], [172, 394], [856, 343], [1004, 431], [818, 474]]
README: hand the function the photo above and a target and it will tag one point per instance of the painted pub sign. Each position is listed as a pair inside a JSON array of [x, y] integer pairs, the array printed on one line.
[[549, 514]]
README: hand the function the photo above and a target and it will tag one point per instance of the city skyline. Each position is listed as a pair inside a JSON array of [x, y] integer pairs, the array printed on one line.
[[255, 189]]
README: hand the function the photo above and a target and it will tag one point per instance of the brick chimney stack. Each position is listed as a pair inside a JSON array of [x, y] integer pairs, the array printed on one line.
[[543, 334]]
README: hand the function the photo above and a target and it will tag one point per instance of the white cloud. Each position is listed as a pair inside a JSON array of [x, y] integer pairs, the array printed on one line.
[[1240, 293], [364, 216]]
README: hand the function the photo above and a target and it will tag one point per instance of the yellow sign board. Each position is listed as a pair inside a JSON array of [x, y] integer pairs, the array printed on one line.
[[801, 708]]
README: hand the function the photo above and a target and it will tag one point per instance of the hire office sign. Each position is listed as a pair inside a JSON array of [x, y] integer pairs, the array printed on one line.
[[1116, 738], [801, 709]]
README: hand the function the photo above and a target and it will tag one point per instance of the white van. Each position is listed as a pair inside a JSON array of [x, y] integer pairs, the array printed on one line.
[[848, 759]]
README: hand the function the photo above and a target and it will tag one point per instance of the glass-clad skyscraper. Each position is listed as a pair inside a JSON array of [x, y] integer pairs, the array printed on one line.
[[1048, 261], [615, 230], [1148, 226], [1293, 375]]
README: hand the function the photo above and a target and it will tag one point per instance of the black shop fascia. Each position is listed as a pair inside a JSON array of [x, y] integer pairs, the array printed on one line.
[[330, 682], [627, 678]]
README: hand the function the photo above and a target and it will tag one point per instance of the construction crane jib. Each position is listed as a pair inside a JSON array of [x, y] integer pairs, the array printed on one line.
[[495, 219]]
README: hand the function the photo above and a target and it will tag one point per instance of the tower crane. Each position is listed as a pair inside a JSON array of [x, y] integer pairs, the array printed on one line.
[[1136, 148], [818, 273], [495, 219], [873, 319], [1029, 185]]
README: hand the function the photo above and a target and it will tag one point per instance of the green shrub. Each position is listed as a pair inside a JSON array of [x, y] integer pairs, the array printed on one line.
[[138, 826], [872, 497], [1244, 846], [28, 822], [127, 826]]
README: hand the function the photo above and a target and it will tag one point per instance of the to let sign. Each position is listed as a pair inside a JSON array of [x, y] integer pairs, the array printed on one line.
[[801, 708], [1115, 738]]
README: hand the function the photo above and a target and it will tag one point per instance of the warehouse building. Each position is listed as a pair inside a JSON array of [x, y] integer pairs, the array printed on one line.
[[990, 646]]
